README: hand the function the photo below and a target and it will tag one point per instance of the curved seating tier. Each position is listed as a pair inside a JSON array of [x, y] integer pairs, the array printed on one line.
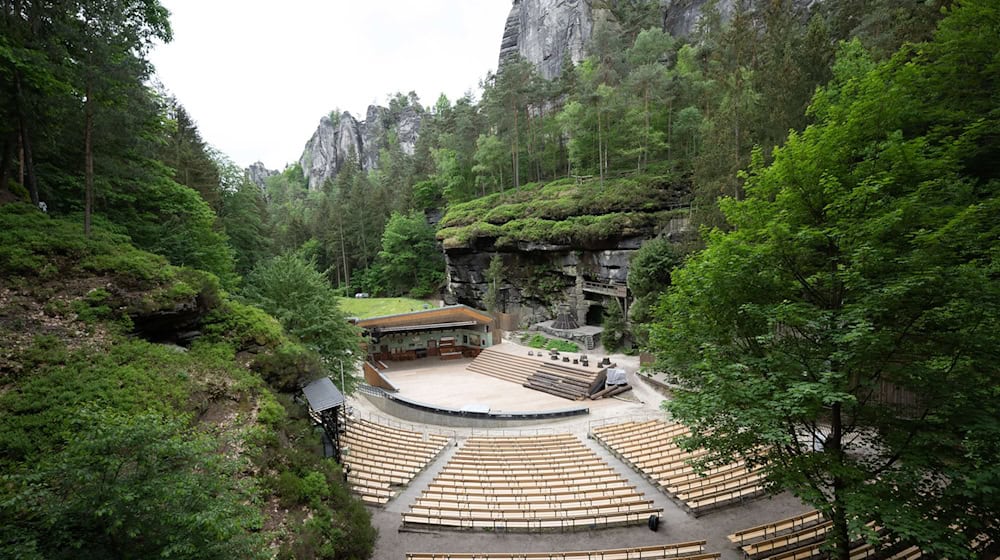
[[649, 448], [382, 459], [802, 538], [528, 483], [694, 550]]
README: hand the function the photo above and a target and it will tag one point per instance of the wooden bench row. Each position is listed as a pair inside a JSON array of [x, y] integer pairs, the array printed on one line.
[[527, 485], [498, 494], [693, 550], [622, 495], [648, 447], [537, 483], [394, 440], [395, 433], [493, 522], [776, 528], [800, 537], [545, 473], [381, 458], [557, 511]]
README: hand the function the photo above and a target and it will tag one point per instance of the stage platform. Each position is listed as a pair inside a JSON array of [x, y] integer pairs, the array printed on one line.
[[447, 383]]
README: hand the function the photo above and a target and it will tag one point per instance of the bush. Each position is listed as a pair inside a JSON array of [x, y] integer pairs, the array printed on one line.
[[562, 345], [542, 341]]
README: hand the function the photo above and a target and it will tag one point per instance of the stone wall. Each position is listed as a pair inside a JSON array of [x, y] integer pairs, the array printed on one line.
[[538, 277]]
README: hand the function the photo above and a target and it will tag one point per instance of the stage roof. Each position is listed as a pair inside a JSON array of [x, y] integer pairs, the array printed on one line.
[[453, 315], [322, 394]]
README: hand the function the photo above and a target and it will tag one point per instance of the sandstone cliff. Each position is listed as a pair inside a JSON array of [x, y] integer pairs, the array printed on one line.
[[340, 137], [545, 31], [258, 174]]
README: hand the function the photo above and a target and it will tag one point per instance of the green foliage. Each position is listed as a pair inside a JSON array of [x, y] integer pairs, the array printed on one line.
[[563, 212], [562, 345], [243, 214], [289, 366], [535, 341], [409, 261], [291, 290], [650, 267], [32, 243], [648, 277], [243, 325], [94, 306], [615, 327], [144, 485], [184, 230], [542, 341], [181, 425], [567, 198], [364, 308], [494, 278], [865, 254]]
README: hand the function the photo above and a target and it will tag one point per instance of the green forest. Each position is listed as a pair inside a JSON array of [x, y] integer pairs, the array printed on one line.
[[840, 164]]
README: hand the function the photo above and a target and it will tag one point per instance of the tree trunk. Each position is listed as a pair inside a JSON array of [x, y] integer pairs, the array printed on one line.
[[670, 128], [600, 150], [343, 254], [834, 445], [88, 158], [644, 153], [5, 152], [514, 152], [27, 161]]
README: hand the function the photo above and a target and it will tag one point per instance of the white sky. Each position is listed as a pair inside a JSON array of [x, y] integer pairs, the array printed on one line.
[[256, 76]]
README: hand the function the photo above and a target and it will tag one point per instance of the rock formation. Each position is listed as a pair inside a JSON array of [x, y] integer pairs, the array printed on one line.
[[544, 31], [538, 276], [258, 174], [340, 137]]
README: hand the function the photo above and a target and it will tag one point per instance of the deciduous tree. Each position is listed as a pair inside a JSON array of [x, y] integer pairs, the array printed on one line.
[[865, 255]]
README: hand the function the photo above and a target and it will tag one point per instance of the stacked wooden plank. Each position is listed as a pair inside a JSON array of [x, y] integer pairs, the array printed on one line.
[[565, 381], [383, 459], [527, 484], [694, 550], [573, 382], [650, 449]]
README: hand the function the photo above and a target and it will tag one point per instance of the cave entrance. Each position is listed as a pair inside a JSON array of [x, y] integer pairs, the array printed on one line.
[[595, 315]]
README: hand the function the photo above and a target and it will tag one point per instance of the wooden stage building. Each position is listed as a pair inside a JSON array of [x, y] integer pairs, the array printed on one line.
[[449, 332]]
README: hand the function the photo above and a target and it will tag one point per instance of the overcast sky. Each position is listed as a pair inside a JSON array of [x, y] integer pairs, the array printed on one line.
[[257, 75]]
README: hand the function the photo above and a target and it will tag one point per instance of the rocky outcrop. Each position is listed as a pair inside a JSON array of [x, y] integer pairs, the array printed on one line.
[[258, 174], [340, 138], [538, 277], [408, 129], [545, 31]]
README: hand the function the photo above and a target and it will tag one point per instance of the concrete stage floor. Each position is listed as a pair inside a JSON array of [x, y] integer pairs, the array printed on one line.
[[449, 384]]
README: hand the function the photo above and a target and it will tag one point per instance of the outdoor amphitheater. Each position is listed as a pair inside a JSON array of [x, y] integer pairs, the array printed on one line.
[[499, 451]]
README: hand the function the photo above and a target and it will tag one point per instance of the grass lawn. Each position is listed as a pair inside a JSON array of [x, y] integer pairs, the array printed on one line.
[[376, 307]]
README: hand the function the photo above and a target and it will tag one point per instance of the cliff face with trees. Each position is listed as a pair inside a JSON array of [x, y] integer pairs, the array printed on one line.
[[635, 103]]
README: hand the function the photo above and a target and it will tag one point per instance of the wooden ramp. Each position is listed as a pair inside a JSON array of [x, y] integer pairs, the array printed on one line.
[[540, 373]]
